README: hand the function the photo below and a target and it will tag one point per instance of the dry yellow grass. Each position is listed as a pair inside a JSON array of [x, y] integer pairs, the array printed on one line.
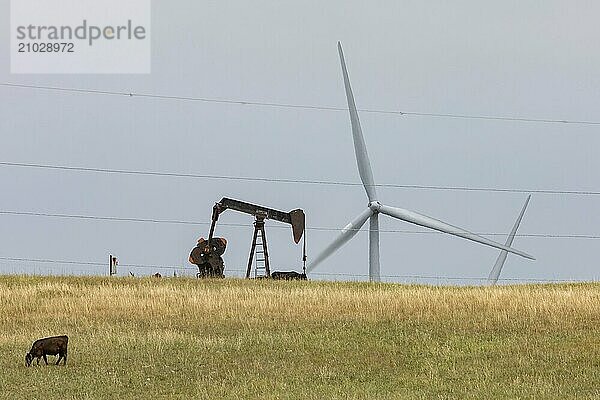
[[182, 338]]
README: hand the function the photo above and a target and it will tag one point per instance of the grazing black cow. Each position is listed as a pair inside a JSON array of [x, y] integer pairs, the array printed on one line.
[[289, 276], [50, 346]]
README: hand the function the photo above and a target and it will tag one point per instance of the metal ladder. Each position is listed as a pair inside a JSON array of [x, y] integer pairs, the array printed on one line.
[[259, 247], [260, 265]]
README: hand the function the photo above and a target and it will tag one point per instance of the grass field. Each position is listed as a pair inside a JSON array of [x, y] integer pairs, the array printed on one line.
[[132, 338]]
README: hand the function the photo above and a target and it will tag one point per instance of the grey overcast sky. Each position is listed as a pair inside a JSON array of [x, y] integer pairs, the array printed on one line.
[[539, 59]]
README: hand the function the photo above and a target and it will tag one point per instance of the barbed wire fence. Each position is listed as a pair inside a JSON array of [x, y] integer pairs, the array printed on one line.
[[51, 267]]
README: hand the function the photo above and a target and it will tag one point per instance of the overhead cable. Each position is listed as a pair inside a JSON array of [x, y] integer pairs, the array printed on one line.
[[312, 228], [132, 94], [296, 181]]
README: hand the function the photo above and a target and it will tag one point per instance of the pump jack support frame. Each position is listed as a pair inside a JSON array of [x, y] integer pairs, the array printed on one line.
[[259, 227]]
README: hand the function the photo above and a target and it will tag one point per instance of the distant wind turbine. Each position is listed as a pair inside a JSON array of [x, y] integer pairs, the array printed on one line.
[[375, 207], [495, 272]]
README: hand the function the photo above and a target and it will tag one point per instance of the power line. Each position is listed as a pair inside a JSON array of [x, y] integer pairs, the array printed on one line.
[[325, 274], [298, 181], [90, 263], [293, 106], [108, 218], [50, 261], [311, 228]]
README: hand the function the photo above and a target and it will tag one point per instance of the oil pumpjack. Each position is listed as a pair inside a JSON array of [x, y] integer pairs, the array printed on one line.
[[207, 254]]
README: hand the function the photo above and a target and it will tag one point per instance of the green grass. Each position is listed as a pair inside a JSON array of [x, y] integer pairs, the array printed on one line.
[[186, 338]]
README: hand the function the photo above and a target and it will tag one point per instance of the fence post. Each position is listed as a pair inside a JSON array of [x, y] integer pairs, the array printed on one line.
[[112, 265]]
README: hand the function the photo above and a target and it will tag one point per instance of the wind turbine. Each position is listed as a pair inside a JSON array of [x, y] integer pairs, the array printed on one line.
[[375, 208], [495, 272]]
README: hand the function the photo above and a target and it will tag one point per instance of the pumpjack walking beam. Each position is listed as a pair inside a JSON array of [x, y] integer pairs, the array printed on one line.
[[295, 218]]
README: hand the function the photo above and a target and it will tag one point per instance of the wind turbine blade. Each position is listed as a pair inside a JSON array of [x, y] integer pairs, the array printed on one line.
[[347, 233], [360, 149], [495, 273], [428, 222]]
